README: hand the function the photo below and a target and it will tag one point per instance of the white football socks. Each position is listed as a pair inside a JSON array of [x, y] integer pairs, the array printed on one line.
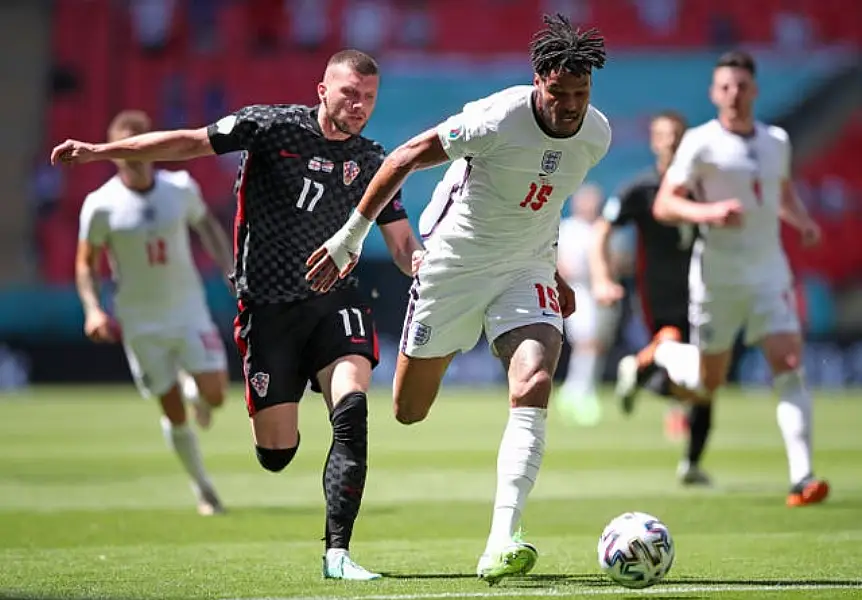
[[794, 420], [582, 373], [518, 463], [183, 440], [682, 362]]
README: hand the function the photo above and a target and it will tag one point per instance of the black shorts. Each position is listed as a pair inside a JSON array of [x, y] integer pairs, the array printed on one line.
[[283, 346], [657, 317], [678, 321], [659, 313]]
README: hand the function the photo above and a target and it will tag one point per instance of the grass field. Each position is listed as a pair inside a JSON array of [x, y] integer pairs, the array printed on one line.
[[93, 506]]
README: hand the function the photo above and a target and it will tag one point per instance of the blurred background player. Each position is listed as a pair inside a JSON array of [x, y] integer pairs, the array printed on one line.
[[141, 217], [490, 259], [740, 170], [664, 256], [590, 330]]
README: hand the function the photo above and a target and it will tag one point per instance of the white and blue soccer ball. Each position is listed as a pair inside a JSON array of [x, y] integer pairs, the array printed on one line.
[[636, 550]]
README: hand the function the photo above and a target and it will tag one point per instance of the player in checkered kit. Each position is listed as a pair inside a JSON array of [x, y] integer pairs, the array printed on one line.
[[303, 171]]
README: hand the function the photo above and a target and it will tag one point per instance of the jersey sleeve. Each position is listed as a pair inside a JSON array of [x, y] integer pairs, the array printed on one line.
[[393, 211], [685, 167], [93, 223], [626, 206], [240, 130], [197, 207], [471, 132], [786, 152]]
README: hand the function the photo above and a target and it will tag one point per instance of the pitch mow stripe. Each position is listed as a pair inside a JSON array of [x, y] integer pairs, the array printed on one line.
[[662, 589]]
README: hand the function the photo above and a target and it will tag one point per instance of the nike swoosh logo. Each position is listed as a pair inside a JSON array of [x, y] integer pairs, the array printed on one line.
[[549, 314], [286, 154]]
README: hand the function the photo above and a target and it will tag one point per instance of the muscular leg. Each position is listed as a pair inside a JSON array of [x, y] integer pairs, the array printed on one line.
[[529, 355], [417, 382], [209, 393], [183, 441], [783, 352], [344, 383], [713, 373]]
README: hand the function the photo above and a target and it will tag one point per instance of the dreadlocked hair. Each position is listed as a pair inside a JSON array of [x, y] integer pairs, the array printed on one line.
[[560, 47]]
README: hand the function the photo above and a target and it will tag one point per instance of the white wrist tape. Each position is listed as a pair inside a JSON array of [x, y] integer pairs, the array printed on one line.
[[346, 245]]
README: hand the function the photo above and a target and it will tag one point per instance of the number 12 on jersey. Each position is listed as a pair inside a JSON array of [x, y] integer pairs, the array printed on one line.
[[157, 252]]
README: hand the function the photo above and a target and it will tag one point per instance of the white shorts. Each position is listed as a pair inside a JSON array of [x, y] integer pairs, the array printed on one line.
[[449, 308], [591, 322], [156, 358], [717, 314]]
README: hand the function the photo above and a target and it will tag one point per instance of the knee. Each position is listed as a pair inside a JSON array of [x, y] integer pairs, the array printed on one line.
[[349, 419], [711, 382], [214, 397], [787, 362], [532, 391], [408, 417], [276, 459], [212, 388]]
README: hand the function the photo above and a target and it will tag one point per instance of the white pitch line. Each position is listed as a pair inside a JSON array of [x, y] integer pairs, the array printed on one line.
[[575, 591]]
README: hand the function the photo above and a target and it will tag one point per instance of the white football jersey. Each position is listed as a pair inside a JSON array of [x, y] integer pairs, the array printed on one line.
[[507, 190], [147, 239], [716, 164]]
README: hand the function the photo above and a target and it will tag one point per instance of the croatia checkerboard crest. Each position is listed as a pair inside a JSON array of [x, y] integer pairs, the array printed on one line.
[[551, 160], [351, 172], [260, 382]]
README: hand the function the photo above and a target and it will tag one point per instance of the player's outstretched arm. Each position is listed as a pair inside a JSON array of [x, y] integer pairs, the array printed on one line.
[[422, 152], [337, 257], [179, 144]]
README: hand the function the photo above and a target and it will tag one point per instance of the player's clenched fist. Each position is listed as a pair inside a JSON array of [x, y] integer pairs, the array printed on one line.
[[727, 213], [566, 296], [99, 327], [72, 152]]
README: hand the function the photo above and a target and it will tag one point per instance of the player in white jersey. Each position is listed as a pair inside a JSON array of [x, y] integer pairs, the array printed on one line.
[[141, 217], [740, 171], [590, 330], [490, 255]]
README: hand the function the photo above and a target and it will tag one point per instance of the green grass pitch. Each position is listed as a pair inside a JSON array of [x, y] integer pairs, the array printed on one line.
[[93, 506]]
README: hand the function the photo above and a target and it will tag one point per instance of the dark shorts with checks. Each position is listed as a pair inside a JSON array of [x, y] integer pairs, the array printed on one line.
[[284, 345]]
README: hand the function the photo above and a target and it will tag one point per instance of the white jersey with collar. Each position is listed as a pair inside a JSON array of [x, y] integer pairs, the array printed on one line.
[[716, 164], [506, 187], [146, 235]]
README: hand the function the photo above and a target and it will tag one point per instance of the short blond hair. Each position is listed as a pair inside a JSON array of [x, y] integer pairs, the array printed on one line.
[[128, 123]]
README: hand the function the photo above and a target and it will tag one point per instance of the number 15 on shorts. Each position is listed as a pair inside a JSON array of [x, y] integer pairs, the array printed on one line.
[[547, 297]]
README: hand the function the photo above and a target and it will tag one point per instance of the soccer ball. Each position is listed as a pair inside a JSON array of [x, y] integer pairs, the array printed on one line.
[[636, 550]]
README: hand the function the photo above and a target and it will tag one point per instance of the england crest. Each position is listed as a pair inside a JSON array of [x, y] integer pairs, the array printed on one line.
[[260, 382], [551, 160], [420, 332], [351, 172]]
